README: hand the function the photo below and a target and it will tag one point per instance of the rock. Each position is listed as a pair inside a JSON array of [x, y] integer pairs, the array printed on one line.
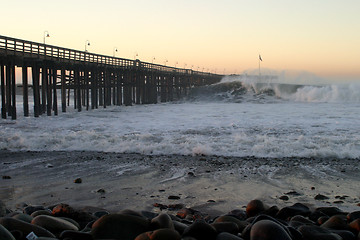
[[23, 217], [41, 212], [238, 213], [30, 209], [200, 230], [160, 234], [268, 230], [353, 215], [284, 198], [182, 213], [345, 235], [229, 227], [254, 207], [75, 235], [330, 211], [336, 222], [355, 225], [2, 209], [296, 209], [163, 220], [6, 177], [317, 233], [119, 226], [26, 228], [302, 219], [78, 180], [322, 220], [5, 234], [321, 197], [99, 214], [53, 224], [63, 210], [171, 197], [179, 226], [227, 236], [230, 219]]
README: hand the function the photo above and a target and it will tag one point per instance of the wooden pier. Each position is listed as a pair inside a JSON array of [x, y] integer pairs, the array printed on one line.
[[91, 80]]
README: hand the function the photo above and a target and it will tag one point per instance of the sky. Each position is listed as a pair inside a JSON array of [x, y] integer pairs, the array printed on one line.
[[321, 37]]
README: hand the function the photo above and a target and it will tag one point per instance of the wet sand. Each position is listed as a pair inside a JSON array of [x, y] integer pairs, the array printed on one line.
[[210, 184]]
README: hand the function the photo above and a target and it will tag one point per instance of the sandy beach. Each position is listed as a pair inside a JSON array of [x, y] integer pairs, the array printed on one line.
[[210, 184]]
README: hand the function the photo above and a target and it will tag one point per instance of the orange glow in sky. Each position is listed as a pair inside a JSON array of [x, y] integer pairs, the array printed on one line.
[[226, 36]]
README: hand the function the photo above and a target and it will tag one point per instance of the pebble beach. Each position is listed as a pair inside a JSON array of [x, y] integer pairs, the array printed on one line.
[[177, 197]]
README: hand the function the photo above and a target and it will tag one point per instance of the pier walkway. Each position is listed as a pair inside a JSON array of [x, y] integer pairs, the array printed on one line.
[[90, 80]]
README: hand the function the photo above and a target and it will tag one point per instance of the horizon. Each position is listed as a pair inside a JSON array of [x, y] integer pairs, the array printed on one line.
[[319, 38]]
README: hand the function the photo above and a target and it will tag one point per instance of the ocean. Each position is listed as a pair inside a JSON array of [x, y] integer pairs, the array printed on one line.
[[236, 117]]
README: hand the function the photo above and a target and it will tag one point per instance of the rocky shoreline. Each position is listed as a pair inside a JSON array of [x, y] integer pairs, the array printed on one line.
[[168, 194], [256, 222]]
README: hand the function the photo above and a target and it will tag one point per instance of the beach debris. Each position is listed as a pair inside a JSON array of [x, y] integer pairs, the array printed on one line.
[[101, 190], [6, 177], [284, 198], [172, 197]]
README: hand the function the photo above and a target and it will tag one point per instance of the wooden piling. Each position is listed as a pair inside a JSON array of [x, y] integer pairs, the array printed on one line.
[[25, 90], [63, 90], [48, 78], [55, 104], [8, 89], [3, 97], [13, 92], [36, 89]]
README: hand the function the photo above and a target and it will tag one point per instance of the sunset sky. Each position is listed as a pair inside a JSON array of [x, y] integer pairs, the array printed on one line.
[[321, 36]]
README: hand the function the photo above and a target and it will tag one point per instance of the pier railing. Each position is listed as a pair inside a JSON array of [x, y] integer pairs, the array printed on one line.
[[17, 47]]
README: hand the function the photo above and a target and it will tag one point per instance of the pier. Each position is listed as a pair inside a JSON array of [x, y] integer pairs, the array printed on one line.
[[90, 80]]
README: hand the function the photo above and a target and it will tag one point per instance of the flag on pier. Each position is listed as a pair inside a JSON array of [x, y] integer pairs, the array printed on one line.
[[260, 57]]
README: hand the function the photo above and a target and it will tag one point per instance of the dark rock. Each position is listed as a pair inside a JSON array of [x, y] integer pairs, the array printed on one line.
[[99, 214], [317, 233], [30, 209], [353, 215], [160, 234], [227, 236], [75, 235], [53, 224], [200, 230], [336, 222], [229, 227], [284, 198], [293, 193], [119, 226], [2, 209], [238, 213], [23, 217], [322, 220], [272, 211], [230, 219], [163, 220], [296, 209], [101, 190], [179, 226], [321, 197], [254, 207], [355, 225], [183, 213], [6, 177], [345, 235], [330, 211], [41, 212], [78, 180], [268, 230], [302, 219], [12, 224], [177, 206], [5, 234], [171, 197], [63, 210]]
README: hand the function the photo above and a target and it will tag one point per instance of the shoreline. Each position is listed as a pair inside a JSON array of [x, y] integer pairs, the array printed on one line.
[[212, 184]]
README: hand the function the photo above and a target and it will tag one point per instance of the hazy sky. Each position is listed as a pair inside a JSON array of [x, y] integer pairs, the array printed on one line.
[[318, 36]]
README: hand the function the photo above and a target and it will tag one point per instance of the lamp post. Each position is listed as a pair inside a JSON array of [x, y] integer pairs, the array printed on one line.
[[46, 34], [136, 55], [114, 51], [87, 43], [185, 65], [176, 64], [152, 60], [166, 62]]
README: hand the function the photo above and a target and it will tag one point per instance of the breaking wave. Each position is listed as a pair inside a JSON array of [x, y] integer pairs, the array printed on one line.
[[245, 88]]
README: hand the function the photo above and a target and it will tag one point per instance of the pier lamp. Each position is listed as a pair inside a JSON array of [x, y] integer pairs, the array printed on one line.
[[136, 55], [46, 34], [166, 61], [115, 50], [176, 64], [185, 65], [152, 60], [87, 43]]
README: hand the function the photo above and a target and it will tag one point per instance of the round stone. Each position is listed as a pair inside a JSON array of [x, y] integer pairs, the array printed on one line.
[[5, 234], [254, 207], [12, 224], [54, 224], [268, 230]]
